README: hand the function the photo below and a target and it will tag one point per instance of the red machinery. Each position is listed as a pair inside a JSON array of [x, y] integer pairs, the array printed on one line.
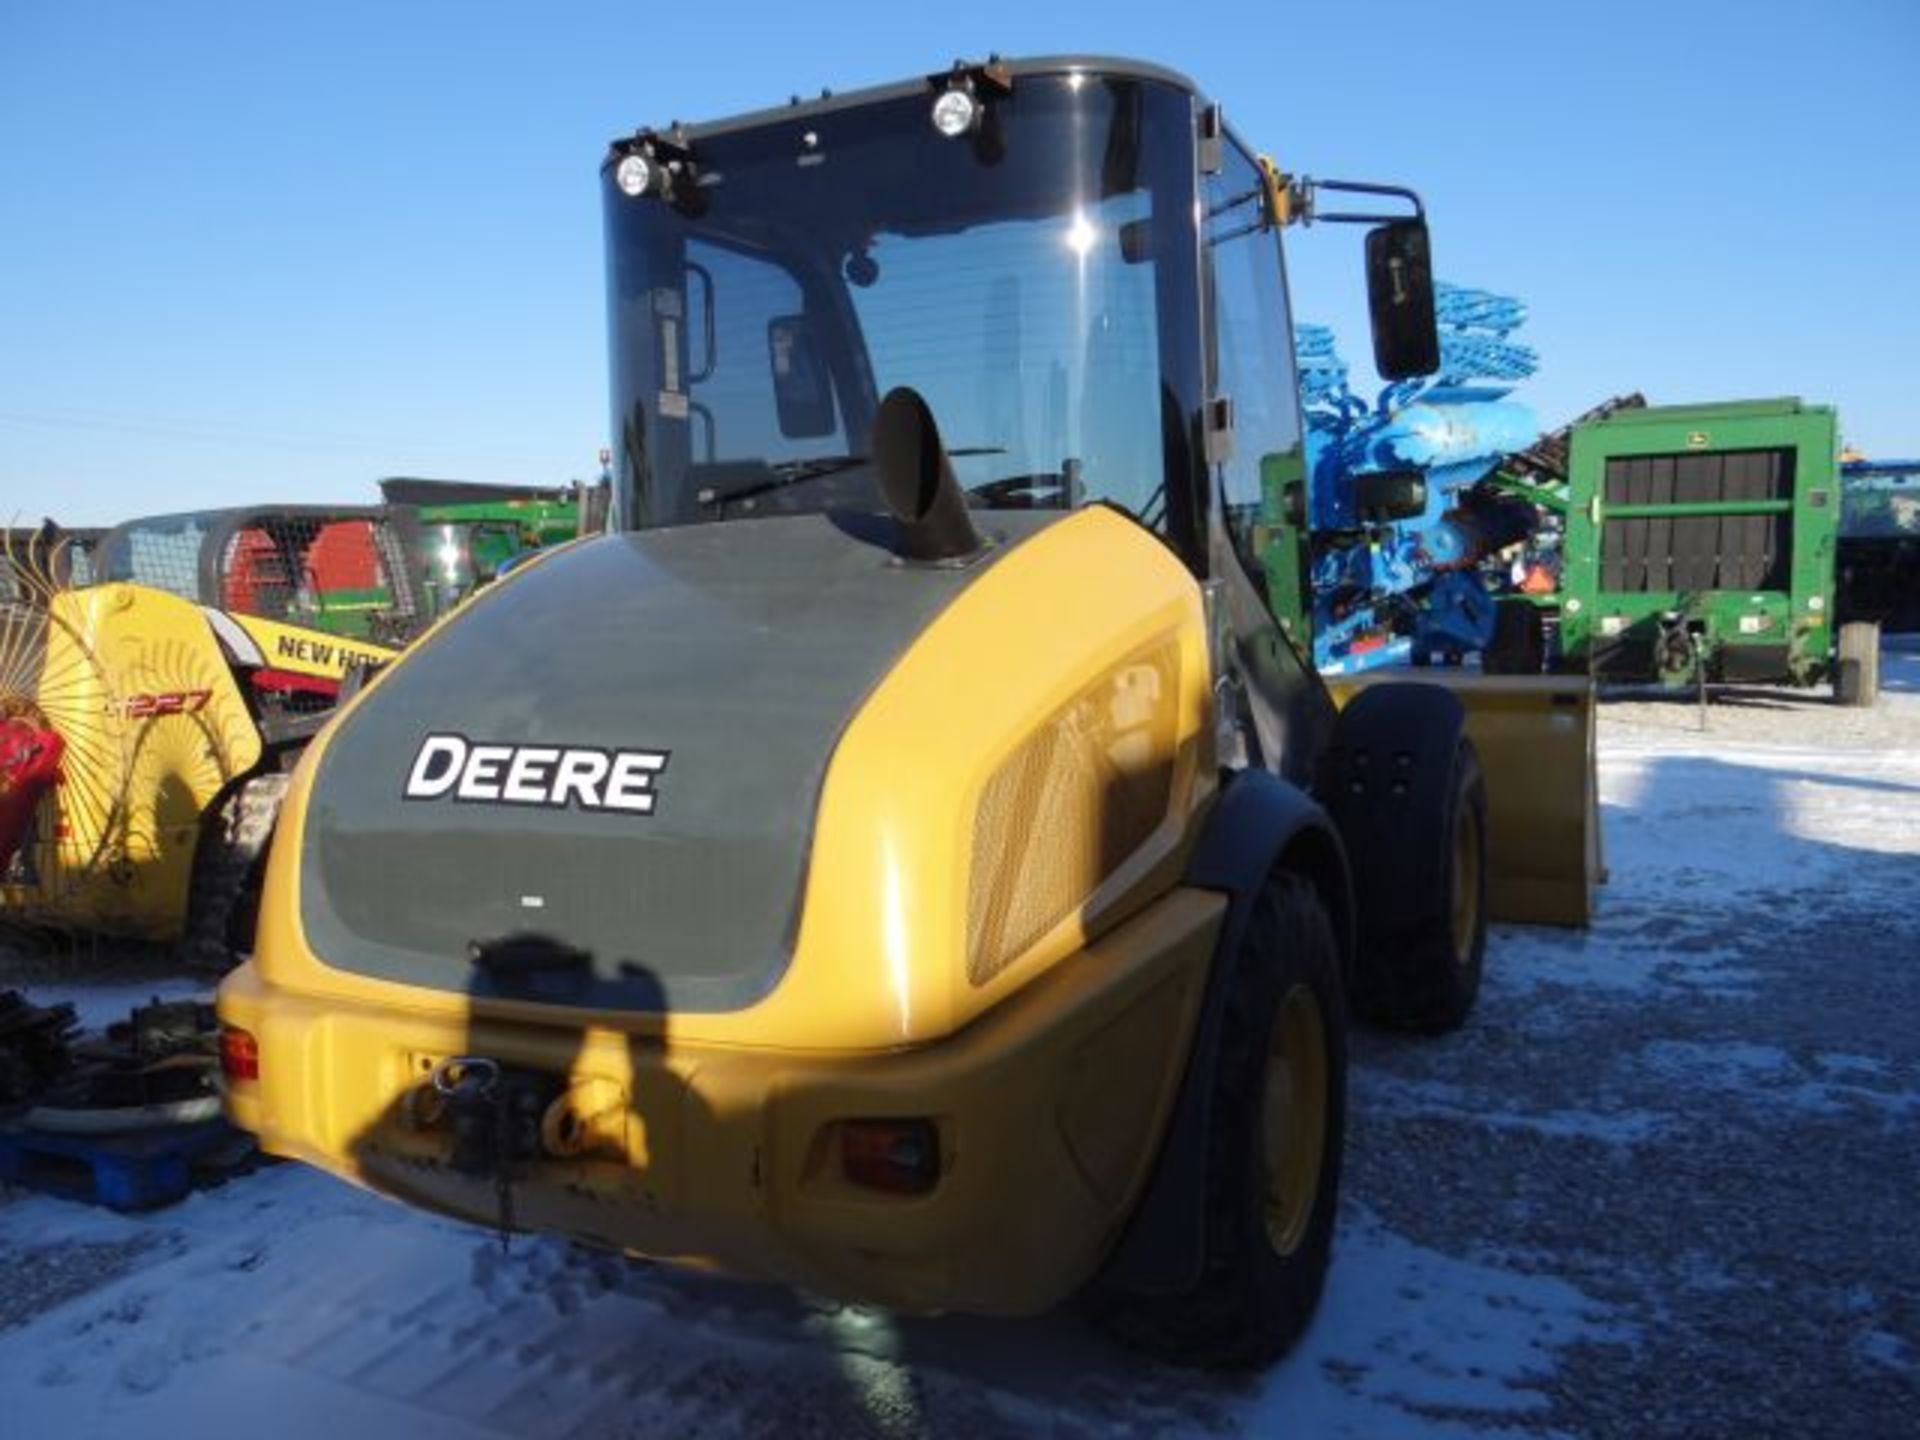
[[29, 767]]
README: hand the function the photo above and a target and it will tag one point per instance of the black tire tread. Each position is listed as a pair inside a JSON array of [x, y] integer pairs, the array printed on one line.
[[224, 892], [1409, 977], [1251, 1305]]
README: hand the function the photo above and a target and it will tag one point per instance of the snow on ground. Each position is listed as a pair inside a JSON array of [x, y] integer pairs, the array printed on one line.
[[1662, 1184], [289, 1301]]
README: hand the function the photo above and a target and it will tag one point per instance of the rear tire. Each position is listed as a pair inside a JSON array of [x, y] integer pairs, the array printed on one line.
[[1278, 1127], [1856, 676]]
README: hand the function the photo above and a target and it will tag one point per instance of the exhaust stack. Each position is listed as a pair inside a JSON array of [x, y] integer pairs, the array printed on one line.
[[916, 481]]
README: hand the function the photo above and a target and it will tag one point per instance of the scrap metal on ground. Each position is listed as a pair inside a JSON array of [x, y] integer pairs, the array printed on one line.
[[35, 1047]]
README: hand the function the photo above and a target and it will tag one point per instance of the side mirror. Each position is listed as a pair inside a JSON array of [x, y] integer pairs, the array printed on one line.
[[1381, 496], [1406, 340], [802, 393]]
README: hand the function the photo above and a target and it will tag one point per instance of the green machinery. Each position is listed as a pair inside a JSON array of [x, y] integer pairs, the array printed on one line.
[[1699, 547], [465, 534]]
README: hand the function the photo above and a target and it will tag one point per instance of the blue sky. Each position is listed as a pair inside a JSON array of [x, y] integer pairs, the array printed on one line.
[[268, 252]]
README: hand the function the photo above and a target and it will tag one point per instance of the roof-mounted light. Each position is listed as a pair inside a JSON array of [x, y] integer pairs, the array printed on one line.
[[635, 175], [955, 112], [961, 95], [656, 164]]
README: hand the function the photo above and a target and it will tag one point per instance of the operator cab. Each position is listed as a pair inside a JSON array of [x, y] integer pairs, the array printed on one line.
[[1072, 262], [1024, 258], [1066, 258]]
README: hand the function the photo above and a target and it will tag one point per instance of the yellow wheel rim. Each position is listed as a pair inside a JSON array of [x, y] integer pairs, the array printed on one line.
[[1466, 882], [1294, 1116]]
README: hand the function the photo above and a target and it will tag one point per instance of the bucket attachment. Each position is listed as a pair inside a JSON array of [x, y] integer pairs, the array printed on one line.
[[1535, 735]]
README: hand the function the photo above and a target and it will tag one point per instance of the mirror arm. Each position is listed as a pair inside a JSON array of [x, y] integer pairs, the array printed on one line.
[[1299, 200]]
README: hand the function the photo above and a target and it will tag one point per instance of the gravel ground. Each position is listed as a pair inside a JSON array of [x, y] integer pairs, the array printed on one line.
[[1744, 713], [41, 1277], [1705, 1114], [1662, 1184]]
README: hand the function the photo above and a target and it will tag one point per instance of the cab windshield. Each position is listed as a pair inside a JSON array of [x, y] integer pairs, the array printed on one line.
[[1020, 277]]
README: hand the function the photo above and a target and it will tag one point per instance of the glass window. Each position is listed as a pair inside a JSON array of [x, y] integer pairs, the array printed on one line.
[[1028, 281], [1035, 344], [730, 373], [1253, 345]]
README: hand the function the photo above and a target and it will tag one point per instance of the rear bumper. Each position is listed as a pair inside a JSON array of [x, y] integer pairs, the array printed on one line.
[[1050, 1111]]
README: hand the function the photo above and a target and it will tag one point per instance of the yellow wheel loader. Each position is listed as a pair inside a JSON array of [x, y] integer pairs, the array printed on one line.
[[152, 714], [907, 859]]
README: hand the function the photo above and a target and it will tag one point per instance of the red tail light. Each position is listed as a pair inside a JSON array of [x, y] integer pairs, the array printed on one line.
[[901, 1157], [239, 1054]]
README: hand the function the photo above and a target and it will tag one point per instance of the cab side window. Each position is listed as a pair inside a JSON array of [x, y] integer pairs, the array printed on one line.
[[1252, 360]]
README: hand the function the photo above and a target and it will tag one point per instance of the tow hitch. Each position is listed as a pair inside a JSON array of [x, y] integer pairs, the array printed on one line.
[[494, 1115]]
